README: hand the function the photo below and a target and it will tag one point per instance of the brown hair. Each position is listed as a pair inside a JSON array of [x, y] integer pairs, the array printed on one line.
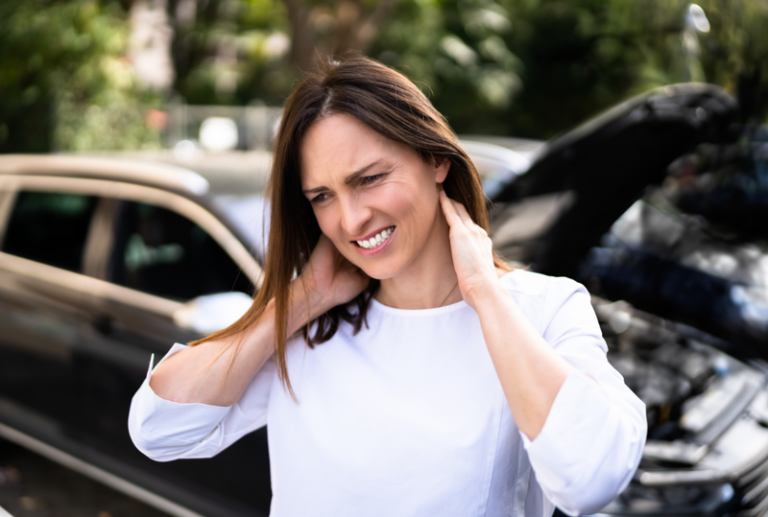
[[393, 106]]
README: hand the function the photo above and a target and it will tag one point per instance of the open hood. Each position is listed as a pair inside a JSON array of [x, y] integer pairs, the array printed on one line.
[[590, 176], [661, 202]]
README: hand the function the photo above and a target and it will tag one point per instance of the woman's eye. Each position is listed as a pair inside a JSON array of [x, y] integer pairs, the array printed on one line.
[[318, 198], [371, 179]]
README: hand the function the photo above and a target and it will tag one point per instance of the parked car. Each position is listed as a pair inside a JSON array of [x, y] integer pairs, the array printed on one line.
[[640, 205], [103, 263]]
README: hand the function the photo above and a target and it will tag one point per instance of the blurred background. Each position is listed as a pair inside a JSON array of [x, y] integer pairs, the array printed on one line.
[[109, 75], [201, 83]]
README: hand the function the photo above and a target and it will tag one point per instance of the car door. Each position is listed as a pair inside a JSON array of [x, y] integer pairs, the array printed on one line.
[[159, 251], [43, 236], [89, 288], [155, 252]]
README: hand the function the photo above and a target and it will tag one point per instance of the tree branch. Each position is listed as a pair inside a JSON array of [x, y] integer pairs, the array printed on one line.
[[302, 40], [370, 29]]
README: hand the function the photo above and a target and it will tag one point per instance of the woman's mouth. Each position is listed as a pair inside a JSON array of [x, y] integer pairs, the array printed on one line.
[[377, 240]]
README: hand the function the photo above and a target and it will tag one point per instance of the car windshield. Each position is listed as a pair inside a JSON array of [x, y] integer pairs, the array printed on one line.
[[249, 214]]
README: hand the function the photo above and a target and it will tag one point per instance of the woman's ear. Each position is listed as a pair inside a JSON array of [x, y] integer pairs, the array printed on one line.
[[442, 166]]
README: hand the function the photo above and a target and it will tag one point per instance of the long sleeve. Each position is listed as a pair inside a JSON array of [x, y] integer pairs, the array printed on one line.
[[593, 438], [166, 431]]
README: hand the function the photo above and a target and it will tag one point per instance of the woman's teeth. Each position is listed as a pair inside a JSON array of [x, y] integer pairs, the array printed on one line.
[[377, 239]]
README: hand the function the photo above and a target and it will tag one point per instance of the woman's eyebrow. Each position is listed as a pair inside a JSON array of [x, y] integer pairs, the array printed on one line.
[[352, 177], [349, 179], [314, 190]]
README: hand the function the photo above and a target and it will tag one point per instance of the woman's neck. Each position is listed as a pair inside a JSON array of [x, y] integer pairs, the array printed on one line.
[[430, 280]]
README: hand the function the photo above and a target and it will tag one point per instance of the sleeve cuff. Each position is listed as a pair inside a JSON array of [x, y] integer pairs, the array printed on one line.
[[159, 426], [588, 449], [560, 450]]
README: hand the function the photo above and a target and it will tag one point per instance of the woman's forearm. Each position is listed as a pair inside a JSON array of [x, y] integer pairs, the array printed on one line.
[[530, 372], [207, 373]]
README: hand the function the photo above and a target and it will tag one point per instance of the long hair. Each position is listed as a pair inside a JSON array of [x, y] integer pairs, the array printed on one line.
[[388, 103]]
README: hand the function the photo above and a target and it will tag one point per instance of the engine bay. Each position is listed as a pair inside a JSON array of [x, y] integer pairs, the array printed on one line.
[[707, 447]]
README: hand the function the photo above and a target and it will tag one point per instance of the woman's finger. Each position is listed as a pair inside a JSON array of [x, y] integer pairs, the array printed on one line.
[[457, 209], [451, 215], [468, 222], [471, 224]]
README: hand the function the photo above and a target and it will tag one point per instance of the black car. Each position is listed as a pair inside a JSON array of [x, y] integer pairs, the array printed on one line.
[[659, 208], [103, 263]]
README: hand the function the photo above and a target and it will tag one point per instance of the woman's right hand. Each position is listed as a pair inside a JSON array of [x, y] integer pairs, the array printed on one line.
[[329, 278]]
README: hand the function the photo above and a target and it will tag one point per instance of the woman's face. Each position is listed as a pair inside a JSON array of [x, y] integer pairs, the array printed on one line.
[[374, 198]]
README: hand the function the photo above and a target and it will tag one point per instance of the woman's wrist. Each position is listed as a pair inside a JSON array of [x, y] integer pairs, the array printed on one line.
[[310, 302], [488, 293]]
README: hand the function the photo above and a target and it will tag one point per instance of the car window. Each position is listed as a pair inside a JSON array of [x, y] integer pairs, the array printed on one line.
[[161, 252], [250, 215], [50, 227]]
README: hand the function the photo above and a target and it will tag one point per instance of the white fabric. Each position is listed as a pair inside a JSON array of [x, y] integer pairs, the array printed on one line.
[[408, 418]]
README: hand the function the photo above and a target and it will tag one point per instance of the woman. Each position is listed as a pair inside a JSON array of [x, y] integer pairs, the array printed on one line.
[[445, 383]]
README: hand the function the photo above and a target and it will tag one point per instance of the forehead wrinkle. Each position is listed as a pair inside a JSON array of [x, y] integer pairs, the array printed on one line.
[[336, 172], [342, 148]]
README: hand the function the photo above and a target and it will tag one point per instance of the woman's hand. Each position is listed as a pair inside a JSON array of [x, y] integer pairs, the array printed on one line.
[[471, 249], [329, 278]]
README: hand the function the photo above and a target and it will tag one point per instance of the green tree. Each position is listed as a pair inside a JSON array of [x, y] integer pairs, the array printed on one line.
[[582, 56], [528, 68], [65, 83], [455, 50], [735, 52], [229, 52]]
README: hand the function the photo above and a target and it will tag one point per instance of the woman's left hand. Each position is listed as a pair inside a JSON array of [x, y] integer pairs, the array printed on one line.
[[472, 251]]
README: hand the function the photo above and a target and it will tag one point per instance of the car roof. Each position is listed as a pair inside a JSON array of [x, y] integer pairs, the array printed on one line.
[[164, 176], [227, 173]]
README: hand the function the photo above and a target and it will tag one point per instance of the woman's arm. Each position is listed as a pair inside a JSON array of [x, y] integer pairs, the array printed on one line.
[[530, 372], [583, 429], [194, 406], [198, 401], [207, 373]]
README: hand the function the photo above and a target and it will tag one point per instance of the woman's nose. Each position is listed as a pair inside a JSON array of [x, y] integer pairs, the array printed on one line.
[[354, 215]]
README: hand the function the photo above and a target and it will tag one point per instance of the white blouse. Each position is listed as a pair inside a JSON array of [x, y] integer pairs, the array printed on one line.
[[408, 418]]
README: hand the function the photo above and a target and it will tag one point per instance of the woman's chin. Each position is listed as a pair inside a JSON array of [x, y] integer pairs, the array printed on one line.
[[380, 271], [377, 275]]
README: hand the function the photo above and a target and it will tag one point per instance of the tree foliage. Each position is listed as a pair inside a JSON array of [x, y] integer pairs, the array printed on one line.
[[735, 53], [528, 68], [64, 80], [454, 49], [523, 67]]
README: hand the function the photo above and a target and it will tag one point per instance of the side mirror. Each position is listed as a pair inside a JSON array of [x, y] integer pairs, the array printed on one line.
[[212, 312]]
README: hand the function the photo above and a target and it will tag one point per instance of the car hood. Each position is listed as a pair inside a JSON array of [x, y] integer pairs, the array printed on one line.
[[624, 205], [590, 176], [657, 202]]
